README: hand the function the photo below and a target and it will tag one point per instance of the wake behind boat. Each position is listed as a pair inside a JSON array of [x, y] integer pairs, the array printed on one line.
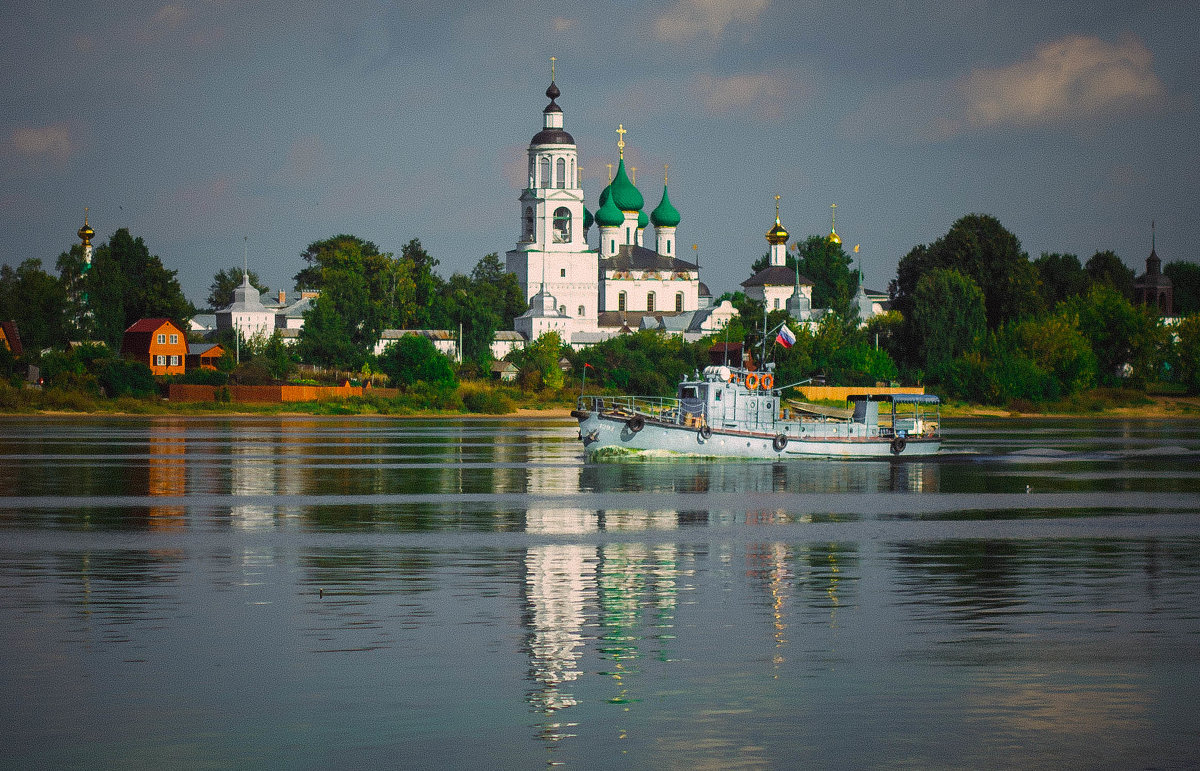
[[737, 413]]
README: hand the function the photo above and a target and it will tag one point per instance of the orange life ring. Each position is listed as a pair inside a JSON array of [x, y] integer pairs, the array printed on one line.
[[767, 382], [752, 381]]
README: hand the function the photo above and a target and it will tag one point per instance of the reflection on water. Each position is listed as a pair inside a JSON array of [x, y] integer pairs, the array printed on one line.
[[371, 588]]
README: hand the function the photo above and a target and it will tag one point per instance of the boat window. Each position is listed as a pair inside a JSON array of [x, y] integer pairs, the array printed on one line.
[[687, 392]]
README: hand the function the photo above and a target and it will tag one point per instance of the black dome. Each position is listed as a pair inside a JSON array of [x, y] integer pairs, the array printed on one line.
[[552, 136]]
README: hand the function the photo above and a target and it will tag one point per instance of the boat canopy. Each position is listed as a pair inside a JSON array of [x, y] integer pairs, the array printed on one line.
[[896, 398]]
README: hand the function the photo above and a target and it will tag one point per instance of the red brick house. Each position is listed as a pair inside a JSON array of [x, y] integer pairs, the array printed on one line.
[[160, 344]]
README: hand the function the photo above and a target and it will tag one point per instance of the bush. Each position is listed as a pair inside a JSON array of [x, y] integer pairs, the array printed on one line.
[[121, 377], [413, 359], [210, 377], [253, 372], [486, 400]]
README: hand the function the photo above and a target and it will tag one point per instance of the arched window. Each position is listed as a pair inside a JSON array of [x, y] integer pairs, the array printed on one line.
[[527, 224], [650, 302], [562, 225], [621, 302], [562, 310], [679, 301], [581, 311], [532, 181], [560, 173], [776, 303], [668, 246], [544, 173]]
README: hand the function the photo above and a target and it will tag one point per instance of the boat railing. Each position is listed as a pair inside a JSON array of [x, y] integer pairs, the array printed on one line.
[[679, 412]]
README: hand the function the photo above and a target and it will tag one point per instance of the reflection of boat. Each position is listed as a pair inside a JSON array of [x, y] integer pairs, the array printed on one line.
[[733, 412]]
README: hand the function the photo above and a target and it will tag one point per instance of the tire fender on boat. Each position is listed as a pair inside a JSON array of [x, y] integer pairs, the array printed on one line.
[[636, 423], [780, 442], [898, 445], [705, 433]]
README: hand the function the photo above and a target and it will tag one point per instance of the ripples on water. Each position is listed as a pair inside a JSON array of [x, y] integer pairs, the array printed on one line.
[[297, 591]]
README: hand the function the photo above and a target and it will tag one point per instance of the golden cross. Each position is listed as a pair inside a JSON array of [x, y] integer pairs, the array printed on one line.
[[85, 215], [621, 132], [833, 217], [665, 167]]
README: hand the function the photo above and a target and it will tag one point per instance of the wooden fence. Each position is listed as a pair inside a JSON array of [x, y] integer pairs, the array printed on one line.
[[269, 394], [839, 393]]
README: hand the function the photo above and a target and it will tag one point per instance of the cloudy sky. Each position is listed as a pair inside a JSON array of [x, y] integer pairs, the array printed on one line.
[[203, 125]]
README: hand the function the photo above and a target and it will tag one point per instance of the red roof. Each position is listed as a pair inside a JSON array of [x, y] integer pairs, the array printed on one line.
[[150, 325]]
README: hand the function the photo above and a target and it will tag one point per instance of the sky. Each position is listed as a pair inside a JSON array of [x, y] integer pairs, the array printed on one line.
[[218, 128]]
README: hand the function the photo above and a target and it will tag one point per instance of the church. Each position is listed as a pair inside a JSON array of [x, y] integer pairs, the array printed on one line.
[[590, 293]]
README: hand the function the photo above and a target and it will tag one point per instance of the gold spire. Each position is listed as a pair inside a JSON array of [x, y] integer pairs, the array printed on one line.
[[633, 174], [777, 234], [553, 59], [621, 132], [609, 172], [833, 236], [86, 232], [665, 167]]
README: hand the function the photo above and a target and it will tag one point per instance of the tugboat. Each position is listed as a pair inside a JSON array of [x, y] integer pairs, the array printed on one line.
[[733, 412]]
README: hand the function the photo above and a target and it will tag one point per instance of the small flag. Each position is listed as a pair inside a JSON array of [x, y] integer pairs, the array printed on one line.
[[587, 366], [856, 248], [785, 337]]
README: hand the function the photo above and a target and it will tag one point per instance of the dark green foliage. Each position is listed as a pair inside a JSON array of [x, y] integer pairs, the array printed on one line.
[[413, 359], [277, 357], [201, 376], [121, 377], [37, 302], [251, 373], [1059, 276], [948, 318], [644, 363], [978, 247], [1185, 280], [538, 363], [1187, 353], [1107, 268], [488, 401], [220, 291]]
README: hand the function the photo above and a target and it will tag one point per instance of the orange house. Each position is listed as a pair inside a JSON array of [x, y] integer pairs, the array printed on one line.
[[158, 343], [204, 355]]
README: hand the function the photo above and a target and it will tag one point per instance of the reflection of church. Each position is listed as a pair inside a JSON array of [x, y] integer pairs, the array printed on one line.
[[587, 294]]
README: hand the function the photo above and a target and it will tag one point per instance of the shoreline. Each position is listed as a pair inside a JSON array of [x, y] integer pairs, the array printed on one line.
[[1161, 408]]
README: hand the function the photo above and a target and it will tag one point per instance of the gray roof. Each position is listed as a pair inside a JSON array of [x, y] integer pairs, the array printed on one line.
[[195, 349], [631, 257], [775, 275]]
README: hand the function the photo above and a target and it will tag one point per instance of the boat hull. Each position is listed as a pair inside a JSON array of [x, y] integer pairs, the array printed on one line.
[[613, 435]]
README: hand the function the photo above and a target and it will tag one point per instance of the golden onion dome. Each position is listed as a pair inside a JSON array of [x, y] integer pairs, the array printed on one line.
[[85, 233], [834, 238], [777, 234]]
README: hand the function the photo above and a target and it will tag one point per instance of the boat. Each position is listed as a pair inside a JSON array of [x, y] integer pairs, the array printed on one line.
[[732, 412]]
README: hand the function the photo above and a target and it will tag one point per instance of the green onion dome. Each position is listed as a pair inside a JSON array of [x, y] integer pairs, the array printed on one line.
[[624, 194], [588, 219], [604, 194], [643, 219], [608, 215], [665, 215]]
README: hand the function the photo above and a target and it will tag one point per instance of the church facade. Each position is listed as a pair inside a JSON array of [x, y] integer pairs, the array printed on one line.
[[589, 293]]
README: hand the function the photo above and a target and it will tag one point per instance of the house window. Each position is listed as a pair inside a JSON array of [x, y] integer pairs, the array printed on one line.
[[560, 173], [776, 303], [160, 361], [162, 339], [562, 272], [581, 312], [679, 301], [174, 339], [650, 301], [562, 225], [621, 302], [562, 310], [174, 360]]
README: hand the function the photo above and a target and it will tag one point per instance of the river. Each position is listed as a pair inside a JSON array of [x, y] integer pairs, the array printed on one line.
[[317, 592]]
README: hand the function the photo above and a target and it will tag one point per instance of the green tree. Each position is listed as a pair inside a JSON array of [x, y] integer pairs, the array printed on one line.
[[948, 316], [1059, 276], [1187, 353], [426, 311], [500, 288], [1107, 268], [127, 283], [472, 308], [220, 291], [334, 332], [1185, 282], [1127, 340], [981, 249], [1055, 344], [37, 302], [827, 265], [412, 359]]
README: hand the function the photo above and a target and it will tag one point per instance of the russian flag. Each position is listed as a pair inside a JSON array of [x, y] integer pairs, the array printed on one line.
[[785, 337]]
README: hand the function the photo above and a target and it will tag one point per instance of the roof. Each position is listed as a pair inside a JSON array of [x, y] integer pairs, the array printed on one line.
[[150, 325], [665, 215], [507, 334], [199, 349], [432, 334], [614, 319], [897, 398], [552, 136], [504, 366], [775, 275], [631, 257], [12, 336]]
